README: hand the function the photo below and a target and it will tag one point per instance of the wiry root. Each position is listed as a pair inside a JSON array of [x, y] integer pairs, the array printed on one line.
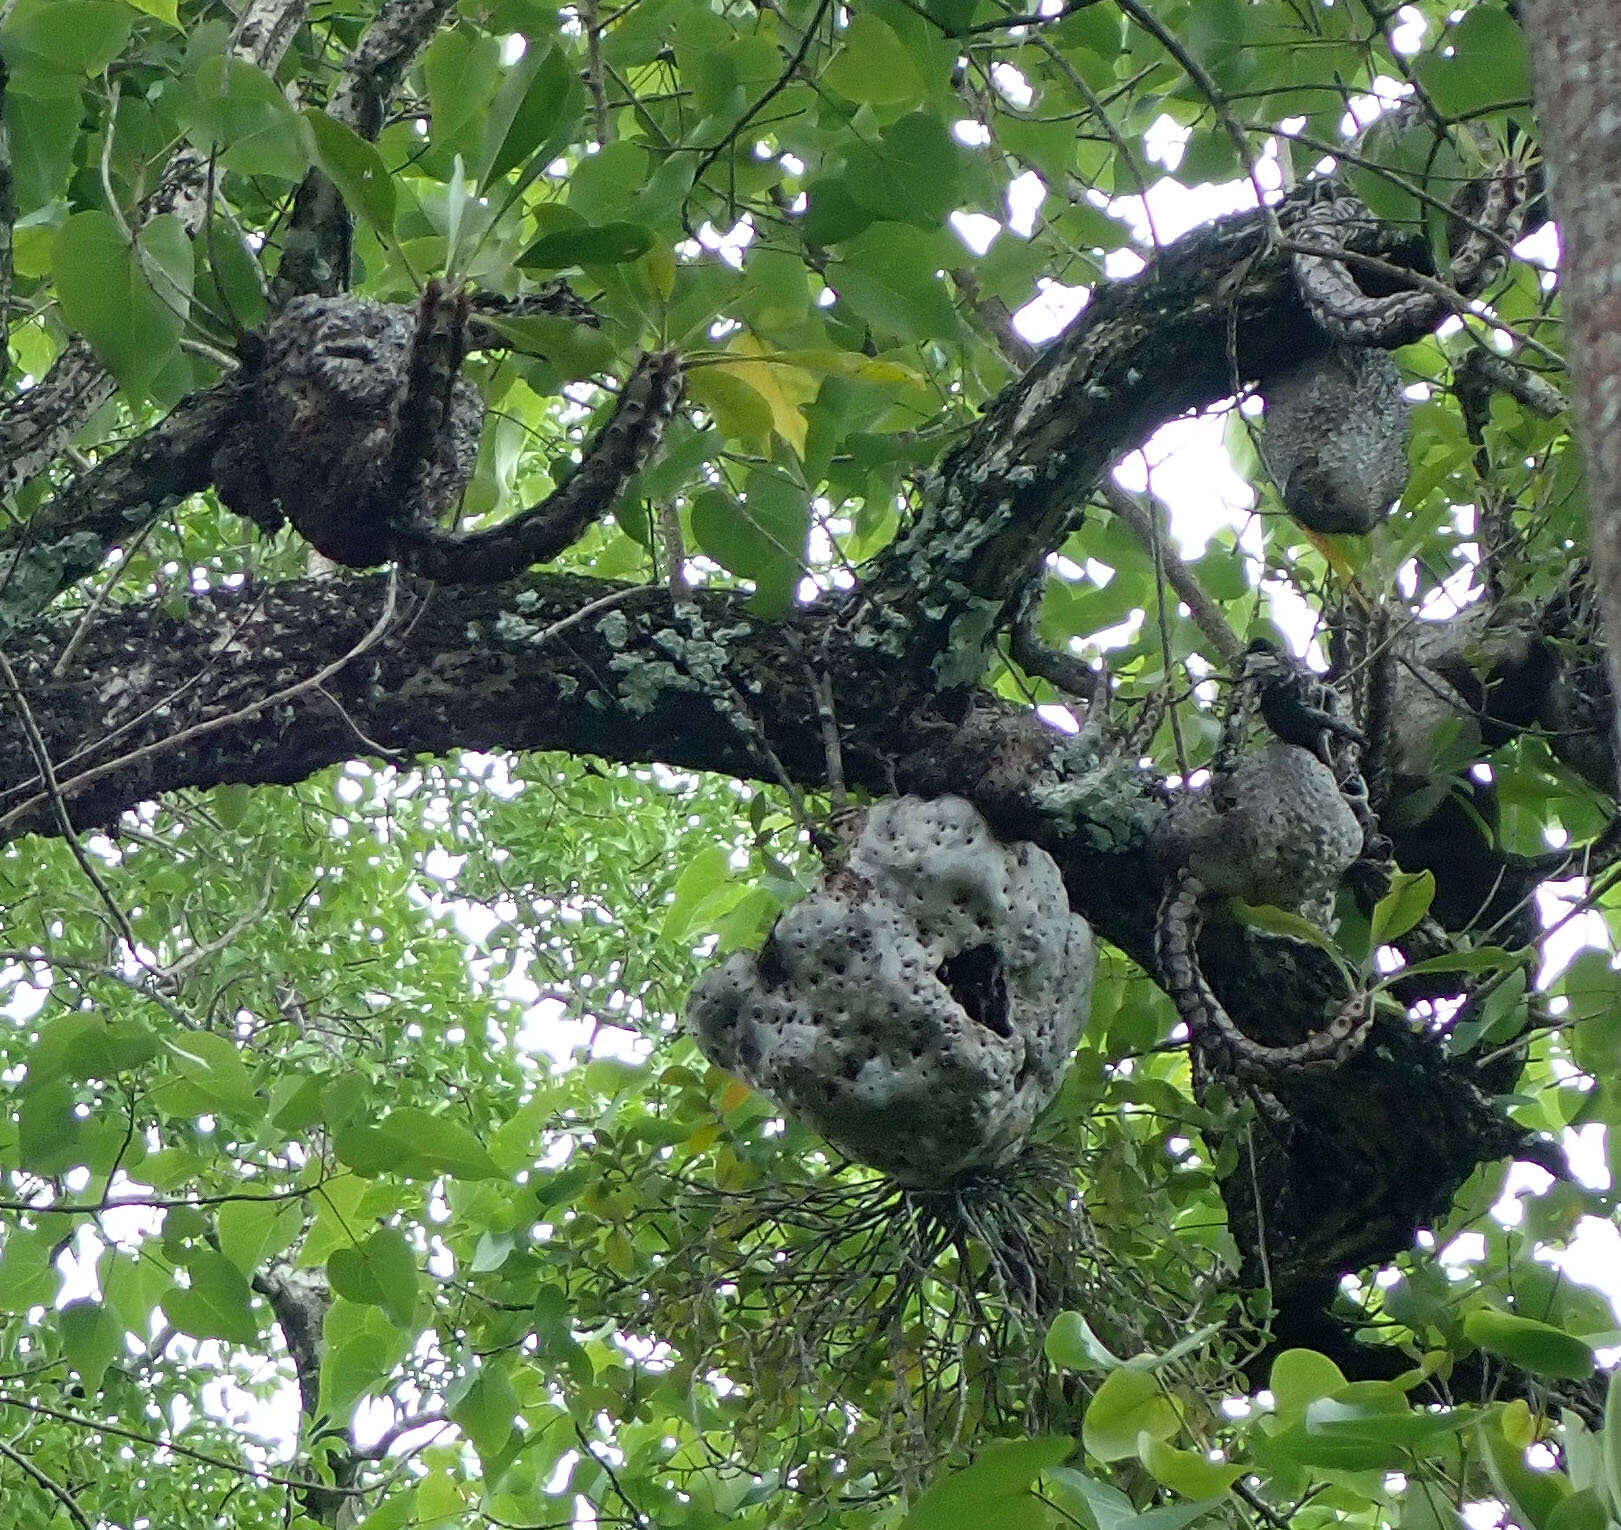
[[856, 1310]]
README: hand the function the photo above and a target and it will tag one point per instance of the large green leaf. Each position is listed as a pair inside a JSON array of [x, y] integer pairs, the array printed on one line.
[[1534, 1346], [1130, 1403], [381, 1272], [417, 1144], [355, 168], [995, 1489], [75, 36], [128, 300], [240, 113], [215, 1303]]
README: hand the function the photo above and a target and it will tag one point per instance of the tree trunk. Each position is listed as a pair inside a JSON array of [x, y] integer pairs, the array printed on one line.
[[1576, 60]]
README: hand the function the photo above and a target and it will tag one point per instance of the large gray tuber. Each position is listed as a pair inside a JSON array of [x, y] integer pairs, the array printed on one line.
[[1274, 828], [919, 1008], [1336, 437]]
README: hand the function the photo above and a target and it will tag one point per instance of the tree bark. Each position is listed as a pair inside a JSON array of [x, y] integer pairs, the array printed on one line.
[[1576, 63]]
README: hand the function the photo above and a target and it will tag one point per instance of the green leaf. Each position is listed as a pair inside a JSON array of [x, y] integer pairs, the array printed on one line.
[[462, 68], [75, 36], [217, 1304], [1129, 1403], [1487, 65], [1361, 1414], [833, 212], [1581, 1511], [1481, 959], [762, 538], [705, 872], [1532, 1496], [44, 132], [539, 122], [1299, 1377], [416, 1144], [1280, 921], [1425, 1507], [1611, 1443], [92, 1338], [1187, 1471], [364, 1347], [608, 244], [380, 1272], [1097, 1505], [128, 302], [990, 1490], [28, 1276], [355, 168], [1072, 1345], [954, 16], [164, 10], [912, 174], [241, 112], [873, 66], [577, 350], [213, 1068], [1534, 1346], [1409, 899], [254, 1229], [485, 1412], [49, 1129]]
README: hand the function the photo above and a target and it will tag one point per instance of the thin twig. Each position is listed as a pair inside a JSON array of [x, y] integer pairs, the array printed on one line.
[[42, 763], [214, 724], [1143, 524], [158, 1442], [49, 1483]]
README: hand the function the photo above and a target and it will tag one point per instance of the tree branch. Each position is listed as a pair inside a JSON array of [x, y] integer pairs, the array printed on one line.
[[1216, 306], [36, 425], [315, 244], [69, 537]]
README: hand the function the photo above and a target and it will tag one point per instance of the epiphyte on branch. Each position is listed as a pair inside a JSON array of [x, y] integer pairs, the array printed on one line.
[[330, 387], [363, 434], [1336, 437], [919, 1008], [1274, 828]]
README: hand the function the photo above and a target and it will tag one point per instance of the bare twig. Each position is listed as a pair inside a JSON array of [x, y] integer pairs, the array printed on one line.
[[214, 724], [42, 762], [49, 1483], [1205, 613]]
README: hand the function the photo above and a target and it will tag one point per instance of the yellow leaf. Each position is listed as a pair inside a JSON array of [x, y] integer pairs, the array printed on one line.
[[736, 1092], [1339, 553], [706, 1134], [658, 264], [851, 364], [1518, 1424], [738, 411], [784, 388]]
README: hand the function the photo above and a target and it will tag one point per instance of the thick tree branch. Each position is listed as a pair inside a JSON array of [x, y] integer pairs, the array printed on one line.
[[224, 693], [1576, 58], [68, 538], [1214, 309], [36, 425], [315, 245]]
